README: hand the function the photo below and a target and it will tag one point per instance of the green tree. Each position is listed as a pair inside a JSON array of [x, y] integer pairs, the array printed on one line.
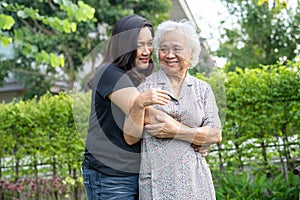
[[109, 11], [265, 32], [52, 37], [6, 22], [48, 37]]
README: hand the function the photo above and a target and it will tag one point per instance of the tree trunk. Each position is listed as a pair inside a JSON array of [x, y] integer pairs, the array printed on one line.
[[221, 166], [76, 185], [281, 159], [286, 147], [238, 150], [264, 154], [36, 174]]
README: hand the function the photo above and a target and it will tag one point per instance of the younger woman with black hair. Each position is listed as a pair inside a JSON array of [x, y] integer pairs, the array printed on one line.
[[111, 166]]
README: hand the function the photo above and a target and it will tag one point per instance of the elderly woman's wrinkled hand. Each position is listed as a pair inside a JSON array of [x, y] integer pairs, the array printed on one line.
[[208, 135], [163, 126], [202, 149]]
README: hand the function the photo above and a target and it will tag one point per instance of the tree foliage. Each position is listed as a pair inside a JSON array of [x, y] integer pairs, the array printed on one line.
[[109, 11], [48, 37], [52, 37], [264, 32]]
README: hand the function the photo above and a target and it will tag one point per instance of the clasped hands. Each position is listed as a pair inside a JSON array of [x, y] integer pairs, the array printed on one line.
[[161, 125]]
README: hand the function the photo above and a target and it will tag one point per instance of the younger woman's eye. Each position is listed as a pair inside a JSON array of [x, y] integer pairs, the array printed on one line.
[[150, 44], [139, 45]]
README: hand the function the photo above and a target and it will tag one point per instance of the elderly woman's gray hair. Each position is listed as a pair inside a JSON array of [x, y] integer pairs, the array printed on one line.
[[188, 31]]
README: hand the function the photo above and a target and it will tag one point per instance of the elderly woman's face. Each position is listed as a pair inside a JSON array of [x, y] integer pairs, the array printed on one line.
[[174, 55]]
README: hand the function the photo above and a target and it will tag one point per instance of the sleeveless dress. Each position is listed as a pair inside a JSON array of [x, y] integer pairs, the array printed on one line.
[[170, 168]]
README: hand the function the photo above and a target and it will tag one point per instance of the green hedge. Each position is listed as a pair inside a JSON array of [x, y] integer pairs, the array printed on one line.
[[260, 110], [40, 139], [39, 131]]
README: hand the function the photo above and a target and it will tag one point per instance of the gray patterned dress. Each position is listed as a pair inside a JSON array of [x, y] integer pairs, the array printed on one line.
[[170, 168]]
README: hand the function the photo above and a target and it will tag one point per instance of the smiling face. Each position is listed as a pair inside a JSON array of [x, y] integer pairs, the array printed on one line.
[[174, 54], [144, 48]]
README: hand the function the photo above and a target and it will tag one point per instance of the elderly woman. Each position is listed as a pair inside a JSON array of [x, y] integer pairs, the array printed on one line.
[[170, 168]]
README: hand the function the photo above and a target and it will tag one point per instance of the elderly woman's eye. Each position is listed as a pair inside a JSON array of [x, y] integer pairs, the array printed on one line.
[[177, 49], [164, 49]]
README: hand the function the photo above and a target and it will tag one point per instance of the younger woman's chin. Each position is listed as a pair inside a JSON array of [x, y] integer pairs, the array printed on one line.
[[142, 66]]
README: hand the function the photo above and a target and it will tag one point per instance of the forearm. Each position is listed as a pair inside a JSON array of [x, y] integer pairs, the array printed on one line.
[[199, 135], [134, 124], [133, 104], [174, 129]]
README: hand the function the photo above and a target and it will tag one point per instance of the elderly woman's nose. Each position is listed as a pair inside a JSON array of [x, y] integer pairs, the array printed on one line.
[[171, 53]]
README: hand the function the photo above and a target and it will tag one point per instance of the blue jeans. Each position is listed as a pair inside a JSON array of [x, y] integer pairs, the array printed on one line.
[[99, 186]]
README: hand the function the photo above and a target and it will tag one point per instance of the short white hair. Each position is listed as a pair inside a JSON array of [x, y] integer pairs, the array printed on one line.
[[188, 31]]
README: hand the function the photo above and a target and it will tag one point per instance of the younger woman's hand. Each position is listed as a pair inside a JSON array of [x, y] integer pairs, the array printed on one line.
[[151, 97]]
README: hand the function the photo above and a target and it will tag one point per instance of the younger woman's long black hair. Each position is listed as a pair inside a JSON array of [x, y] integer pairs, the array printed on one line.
[[122, 47]]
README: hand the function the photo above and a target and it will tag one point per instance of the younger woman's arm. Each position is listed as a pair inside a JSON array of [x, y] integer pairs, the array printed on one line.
[[133, 103]]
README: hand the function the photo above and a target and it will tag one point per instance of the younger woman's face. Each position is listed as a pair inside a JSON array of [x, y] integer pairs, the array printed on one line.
[[144, 48]]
